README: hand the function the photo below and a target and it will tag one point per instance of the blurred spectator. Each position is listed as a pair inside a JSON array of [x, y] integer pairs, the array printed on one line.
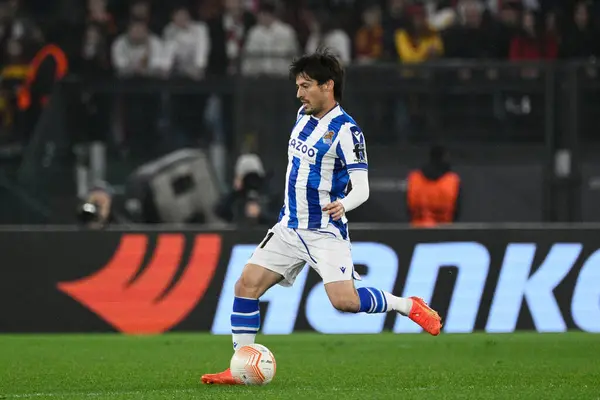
[[5, 26], [228, 34], [254, 212], [11, 8], [93, 62], [96, 211], [497, 5], [440, 14], [188, 44], [13, 75], [434, 191], [393, 20], [472, 38], [580, 40], [551, 26], [141, 10], [533, 43], [209, 9], [98, 15], [270, 46], [299, 16], [369, 39], [138, 52], [16, 65], [251, 5], [532, 5], [248, 203], [94, 53], [247, 208], [325, 33], [507, 26], [16, 24], [248, 163], [418, 43]]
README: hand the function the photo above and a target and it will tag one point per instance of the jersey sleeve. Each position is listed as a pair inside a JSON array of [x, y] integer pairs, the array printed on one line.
[[352, 149], [360, 190]]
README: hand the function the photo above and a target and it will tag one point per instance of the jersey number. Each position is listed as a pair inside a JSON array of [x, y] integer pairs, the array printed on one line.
[[266, 240]]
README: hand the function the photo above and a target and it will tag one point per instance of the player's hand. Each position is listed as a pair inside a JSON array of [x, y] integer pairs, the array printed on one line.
[[335, 209]]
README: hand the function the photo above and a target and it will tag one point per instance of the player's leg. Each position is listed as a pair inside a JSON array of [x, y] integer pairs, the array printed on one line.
[[330, 256], [344, 297], [272, 262], [245, 317]]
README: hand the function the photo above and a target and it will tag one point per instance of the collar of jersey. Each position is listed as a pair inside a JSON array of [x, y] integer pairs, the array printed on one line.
[[318, 119]]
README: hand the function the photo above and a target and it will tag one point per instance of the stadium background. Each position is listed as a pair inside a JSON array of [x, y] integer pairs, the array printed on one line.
[[520, 127], [192, 139], [188, 155]]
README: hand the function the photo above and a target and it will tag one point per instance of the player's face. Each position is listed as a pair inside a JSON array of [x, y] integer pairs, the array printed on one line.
[[311, 94]]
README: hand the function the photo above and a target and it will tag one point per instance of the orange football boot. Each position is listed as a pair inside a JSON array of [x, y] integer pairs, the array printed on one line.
[[425, 316], [222, 378]]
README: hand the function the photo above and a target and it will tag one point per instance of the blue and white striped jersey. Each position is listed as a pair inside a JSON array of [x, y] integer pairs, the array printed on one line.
[[320, 154]]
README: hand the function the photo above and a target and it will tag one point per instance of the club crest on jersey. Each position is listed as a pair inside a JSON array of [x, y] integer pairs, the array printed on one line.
[[301, 149], [328, 137]]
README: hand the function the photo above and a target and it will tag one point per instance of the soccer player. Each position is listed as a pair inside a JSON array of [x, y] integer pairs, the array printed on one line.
[[326, 152]]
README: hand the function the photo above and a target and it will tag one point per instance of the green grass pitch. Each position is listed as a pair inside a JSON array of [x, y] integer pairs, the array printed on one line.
[[310, 366]]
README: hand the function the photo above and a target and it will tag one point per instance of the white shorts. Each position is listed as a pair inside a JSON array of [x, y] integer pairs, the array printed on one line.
[[285, 251]]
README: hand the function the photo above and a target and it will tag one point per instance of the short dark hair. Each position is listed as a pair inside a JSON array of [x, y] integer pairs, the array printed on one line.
[[321, 66], [136, 2], [437, 153], [180, 7], [266, 7]]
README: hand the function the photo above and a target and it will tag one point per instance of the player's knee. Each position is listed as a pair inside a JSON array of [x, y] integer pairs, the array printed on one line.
[[346, 304], [248, 287]]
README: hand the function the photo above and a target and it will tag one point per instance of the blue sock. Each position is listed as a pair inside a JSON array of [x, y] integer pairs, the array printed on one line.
[[245, 321], [373, 300]]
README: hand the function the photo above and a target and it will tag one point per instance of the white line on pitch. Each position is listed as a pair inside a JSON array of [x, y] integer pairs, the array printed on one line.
[[92, 394]]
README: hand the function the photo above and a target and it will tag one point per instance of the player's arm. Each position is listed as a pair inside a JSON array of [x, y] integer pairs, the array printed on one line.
[[351, 149], [357, 196], [360, 190]]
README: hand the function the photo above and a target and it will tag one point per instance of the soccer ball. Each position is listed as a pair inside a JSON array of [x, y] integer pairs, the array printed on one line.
[[253, 364]]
